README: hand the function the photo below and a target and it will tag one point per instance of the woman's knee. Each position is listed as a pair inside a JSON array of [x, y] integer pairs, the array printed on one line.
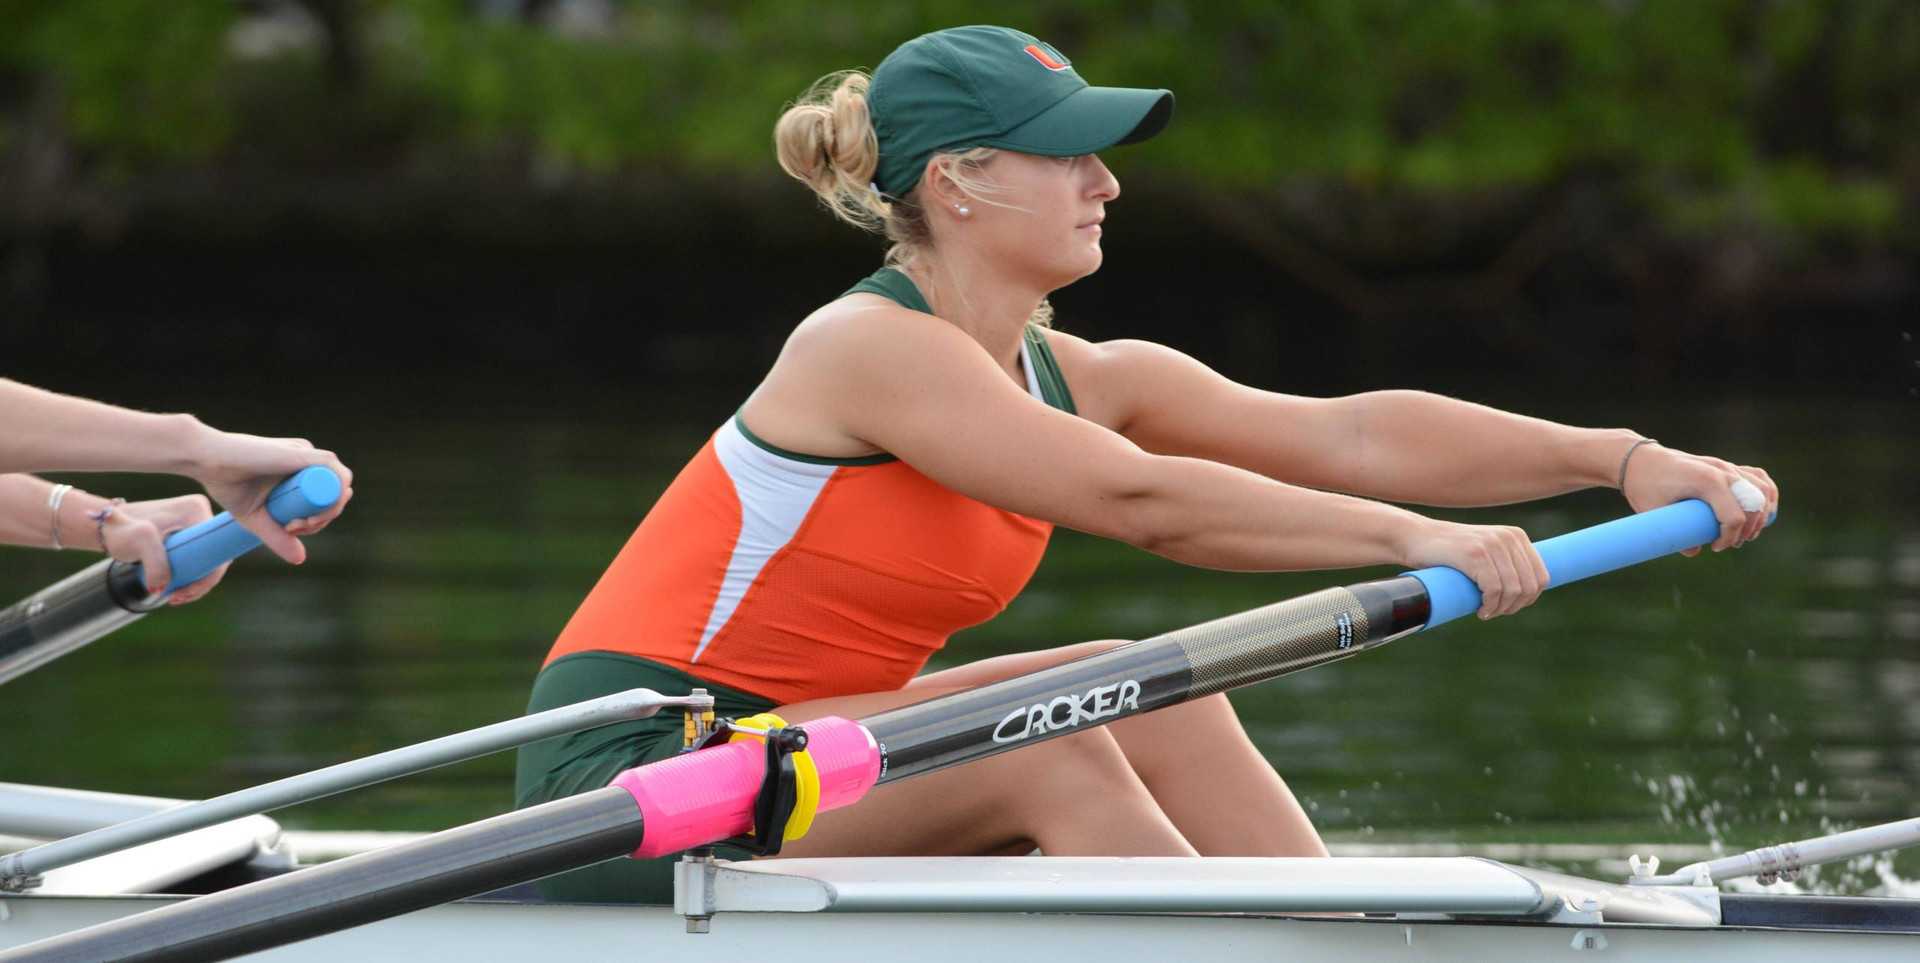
[[1205, 718], [1216, 708], [1074, 767]]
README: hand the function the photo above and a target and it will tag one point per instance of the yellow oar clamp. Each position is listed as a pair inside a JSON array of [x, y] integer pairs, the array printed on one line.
[[790, 792]]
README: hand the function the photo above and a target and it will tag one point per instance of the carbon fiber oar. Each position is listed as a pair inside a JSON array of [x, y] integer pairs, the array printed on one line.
[[108, 595], [703, 797]]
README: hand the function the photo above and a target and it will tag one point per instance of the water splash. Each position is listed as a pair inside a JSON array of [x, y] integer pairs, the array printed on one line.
[[1683, 803]]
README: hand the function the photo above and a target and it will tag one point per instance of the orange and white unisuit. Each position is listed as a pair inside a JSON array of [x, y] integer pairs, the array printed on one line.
[[794, 577]]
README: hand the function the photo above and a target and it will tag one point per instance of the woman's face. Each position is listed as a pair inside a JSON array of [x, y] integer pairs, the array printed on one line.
[[1049, 231]]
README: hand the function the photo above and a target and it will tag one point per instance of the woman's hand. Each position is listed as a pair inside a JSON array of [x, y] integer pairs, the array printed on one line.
[[137, 532], [1500, 559], [1659, 476], [239, 471]]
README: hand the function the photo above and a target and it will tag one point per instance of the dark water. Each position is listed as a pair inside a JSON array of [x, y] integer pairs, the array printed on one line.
[[1741, 698]]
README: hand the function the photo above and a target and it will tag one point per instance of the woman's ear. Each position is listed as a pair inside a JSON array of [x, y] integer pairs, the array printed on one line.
[[940, 189]]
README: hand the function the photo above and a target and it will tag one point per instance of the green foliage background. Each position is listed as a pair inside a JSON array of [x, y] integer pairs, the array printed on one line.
[[1798, 117]]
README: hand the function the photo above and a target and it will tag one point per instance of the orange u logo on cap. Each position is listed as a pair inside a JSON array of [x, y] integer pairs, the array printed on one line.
[[1041, 55]]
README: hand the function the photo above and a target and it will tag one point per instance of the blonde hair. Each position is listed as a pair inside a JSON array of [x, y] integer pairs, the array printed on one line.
[[826, 141]]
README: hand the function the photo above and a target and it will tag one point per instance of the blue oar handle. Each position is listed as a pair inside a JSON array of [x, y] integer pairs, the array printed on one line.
[[195, 552], [1589, 551]]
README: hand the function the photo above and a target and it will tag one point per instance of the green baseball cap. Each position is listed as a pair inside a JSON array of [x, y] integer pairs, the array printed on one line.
[[994, 87]]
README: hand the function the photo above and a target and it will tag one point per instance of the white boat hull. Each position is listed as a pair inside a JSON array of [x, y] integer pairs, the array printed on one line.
[[546, 931]]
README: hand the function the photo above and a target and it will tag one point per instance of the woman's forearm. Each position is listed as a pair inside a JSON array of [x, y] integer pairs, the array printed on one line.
[[53, 432], [27, 514], [1412, 446], [1206, 513], [1212, 515]]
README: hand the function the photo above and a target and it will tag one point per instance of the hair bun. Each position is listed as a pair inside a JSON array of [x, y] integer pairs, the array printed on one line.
[[826, 140]]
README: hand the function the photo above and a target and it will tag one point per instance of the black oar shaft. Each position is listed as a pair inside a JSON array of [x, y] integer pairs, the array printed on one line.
[[1175, 667], [481, 857]]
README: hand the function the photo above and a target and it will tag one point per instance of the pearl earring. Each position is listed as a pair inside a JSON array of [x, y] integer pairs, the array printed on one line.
[[962, 210]]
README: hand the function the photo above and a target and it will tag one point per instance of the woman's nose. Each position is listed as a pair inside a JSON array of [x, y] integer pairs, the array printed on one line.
[[1105, 186]]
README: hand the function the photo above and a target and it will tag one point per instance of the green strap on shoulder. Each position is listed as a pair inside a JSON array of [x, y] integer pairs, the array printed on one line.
[[895, 286], [1046, 370]]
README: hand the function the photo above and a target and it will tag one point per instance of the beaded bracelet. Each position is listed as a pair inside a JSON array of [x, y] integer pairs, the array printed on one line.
[[54, 498], [1629, 457], [100, 516]]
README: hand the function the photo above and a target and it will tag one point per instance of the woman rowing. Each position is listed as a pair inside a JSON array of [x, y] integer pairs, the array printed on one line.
[[896, 475]]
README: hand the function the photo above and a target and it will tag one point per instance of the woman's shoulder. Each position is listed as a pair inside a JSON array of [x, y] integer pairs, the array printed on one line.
[[865, 327], [846, 357]]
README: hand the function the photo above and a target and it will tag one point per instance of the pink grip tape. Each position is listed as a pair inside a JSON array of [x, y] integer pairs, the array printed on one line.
[[702, 797]]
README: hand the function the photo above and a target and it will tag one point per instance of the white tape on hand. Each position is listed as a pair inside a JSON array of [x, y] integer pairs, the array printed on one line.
[[1749, 496]]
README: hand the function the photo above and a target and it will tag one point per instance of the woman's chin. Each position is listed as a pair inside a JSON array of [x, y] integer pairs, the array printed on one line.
[[1057, 273], [1094, 260]]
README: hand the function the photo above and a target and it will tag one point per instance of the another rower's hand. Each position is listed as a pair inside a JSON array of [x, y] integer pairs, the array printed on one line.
[[1500, 559], [241, 470], [137, 532], [1658, 476]]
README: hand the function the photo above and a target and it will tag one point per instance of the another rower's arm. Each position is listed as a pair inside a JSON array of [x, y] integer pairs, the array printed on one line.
[[41, 430]]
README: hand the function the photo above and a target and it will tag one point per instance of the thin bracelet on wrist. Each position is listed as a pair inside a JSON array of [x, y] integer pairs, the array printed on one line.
[[1622, 484], [100, 516], [54, 498]]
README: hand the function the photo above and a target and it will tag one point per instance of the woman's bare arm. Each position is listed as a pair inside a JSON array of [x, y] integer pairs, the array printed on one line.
[[1404, 446], [926, 392]]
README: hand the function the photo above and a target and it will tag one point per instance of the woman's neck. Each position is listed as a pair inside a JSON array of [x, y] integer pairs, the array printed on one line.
[[980, 302]]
